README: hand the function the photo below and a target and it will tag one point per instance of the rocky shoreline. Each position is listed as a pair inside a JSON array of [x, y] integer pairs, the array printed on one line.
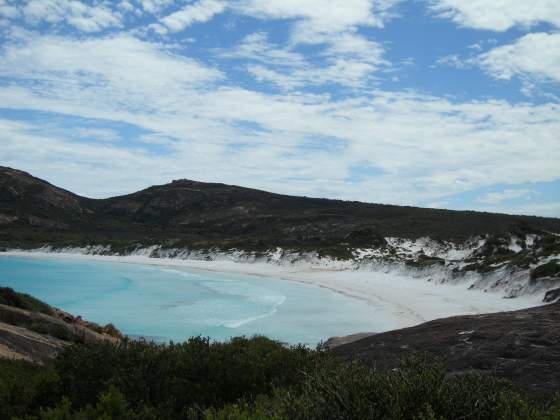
[[521, 346]]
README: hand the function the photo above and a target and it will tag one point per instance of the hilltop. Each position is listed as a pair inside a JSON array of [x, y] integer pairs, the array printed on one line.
[[197, 214]]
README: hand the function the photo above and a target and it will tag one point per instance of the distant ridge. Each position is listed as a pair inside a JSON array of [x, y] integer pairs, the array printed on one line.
[[203, 215]]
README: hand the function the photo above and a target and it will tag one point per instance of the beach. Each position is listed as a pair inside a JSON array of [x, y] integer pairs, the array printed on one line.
[[410, 301]]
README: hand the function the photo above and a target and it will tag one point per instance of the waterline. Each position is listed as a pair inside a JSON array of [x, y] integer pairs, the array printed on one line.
[[174, 303]]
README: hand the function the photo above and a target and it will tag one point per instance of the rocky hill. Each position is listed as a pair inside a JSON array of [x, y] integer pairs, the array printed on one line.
[[32, 330], [188, 219], [522, 346], [199, 214]]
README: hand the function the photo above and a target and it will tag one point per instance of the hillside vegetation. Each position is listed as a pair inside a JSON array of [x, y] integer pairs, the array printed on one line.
[[199, 215], [10, 297]]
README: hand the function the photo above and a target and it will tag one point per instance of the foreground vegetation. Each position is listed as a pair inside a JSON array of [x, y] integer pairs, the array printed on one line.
[[246, 379]]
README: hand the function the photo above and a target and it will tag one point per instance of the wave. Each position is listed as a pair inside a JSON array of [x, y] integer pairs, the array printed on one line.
[[240, 322], [238, 295]]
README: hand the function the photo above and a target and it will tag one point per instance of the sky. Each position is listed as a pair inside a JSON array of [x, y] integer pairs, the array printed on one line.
[[434, 103]]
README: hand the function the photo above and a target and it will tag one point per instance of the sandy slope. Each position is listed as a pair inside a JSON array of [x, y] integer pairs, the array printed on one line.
[[410, 300]]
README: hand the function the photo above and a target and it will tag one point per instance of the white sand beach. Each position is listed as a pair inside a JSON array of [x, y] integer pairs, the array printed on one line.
[[410, 300]]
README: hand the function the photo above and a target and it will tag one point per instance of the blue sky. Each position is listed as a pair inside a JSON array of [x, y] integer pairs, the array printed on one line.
[[439, 103]]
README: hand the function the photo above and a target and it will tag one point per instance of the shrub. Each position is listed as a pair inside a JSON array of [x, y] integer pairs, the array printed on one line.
[[10, 297], [550, 269], [25, 387], [247, 379], [414, 391], [196, 372]]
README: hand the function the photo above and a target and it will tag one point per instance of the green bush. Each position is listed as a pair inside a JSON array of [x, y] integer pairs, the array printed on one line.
[[550, 269], [196, 372], [10, 297], [425, 261], [414, 391], [247, 379], [25, 387]]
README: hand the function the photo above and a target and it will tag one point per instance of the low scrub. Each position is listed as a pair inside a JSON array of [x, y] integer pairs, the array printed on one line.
[[10, 297], [550, 269], [425, 261], [247, 379]]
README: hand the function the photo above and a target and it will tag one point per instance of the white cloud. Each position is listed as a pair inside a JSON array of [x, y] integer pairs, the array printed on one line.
[[454, 60], [353, 45], [8, 11], [201, 11], [347, 59], [126, 6], [157, 138], [155, 6], [75, 13], [498, 15], [121, 63], [530, 207], [257, 47], [348, 73], [541, 209], [507, 194], [426, 147], [535, 55], [97, 134], [189, 120], [27, 147], [534, 59], [321, 16]]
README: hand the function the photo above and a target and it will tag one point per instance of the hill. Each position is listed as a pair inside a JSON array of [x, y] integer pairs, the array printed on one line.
[[522, 346], [203, 215], [33, 331]]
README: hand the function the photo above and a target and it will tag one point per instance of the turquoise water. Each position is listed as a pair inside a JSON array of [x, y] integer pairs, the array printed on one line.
[[168, 303]]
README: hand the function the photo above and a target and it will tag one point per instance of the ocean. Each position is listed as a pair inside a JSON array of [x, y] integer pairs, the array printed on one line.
[[174, 303]]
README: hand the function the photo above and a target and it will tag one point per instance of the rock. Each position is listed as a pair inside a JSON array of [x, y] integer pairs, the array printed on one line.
[[5, 219], [38, 337], [339, 341], [108, 329], [521, 346], [111, 330], [552, 296]]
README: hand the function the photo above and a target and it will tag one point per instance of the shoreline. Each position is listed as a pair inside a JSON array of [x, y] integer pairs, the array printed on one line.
[[411, 301]]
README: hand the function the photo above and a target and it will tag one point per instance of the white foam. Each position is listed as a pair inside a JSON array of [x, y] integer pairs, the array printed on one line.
[[238, 323]]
